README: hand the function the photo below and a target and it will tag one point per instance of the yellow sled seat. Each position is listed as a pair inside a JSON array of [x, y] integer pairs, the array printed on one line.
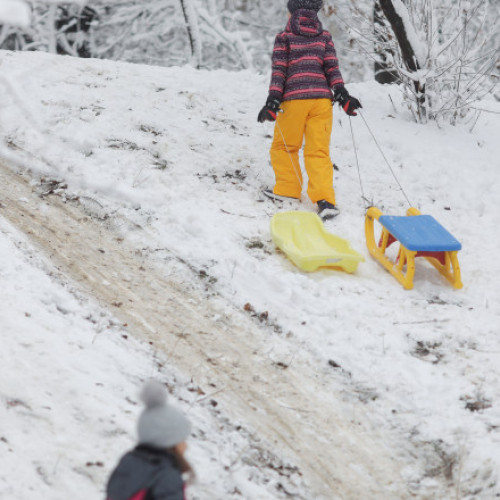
[[418, 236], [303, 238]]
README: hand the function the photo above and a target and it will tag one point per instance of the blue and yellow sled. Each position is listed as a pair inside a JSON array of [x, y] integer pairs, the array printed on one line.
[[418, 236], [303, 238]]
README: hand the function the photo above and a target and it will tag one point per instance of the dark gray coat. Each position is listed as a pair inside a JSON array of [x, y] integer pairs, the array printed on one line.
[[148, 470]]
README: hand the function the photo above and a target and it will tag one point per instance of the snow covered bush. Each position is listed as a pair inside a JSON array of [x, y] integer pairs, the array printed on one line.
[[444, 52], [231, 34], [57, 27], [210, 34]]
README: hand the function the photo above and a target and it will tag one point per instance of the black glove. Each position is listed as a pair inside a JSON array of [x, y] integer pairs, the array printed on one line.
[[269, 111], [349, 104]]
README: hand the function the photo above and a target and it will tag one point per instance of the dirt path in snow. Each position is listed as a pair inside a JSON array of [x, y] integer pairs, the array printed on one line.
[[298, 413]]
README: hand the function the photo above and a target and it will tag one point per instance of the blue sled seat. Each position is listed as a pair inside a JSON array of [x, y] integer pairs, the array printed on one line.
[[420, 233]]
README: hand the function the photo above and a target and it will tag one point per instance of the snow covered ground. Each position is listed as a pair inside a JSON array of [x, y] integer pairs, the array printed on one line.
[[178, 153]]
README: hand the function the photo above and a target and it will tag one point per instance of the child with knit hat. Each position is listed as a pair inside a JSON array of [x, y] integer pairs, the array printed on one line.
[[305, 69], [154, 468]]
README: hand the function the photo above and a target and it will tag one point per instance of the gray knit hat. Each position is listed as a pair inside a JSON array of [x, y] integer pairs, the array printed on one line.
[[160, 425], [294, 5]]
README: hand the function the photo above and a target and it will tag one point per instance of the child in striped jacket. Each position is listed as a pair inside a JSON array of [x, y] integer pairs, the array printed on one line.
[[305, 69]]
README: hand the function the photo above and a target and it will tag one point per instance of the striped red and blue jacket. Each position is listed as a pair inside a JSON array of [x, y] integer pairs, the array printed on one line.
[[305, 64]]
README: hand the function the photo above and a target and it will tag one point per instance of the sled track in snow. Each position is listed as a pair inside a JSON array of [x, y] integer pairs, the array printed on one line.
[[297, 414]]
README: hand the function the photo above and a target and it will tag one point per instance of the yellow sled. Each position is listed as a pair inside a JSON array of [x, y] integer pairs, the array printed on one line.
[[303, 238]]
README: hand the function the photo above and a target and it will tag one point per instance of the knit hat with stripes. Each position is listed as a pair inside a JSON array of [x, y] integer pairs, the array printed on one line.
[[314, 5]]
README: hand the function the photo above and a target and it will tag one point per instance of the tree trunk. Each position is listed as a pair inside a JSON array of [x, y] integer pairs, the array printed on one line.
[[407, 51], [383, 72], [192, 32], [51, 30]]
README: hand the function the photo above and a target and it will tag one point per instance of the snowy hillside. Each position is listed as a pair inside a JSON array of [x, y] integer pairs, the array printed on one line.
[[172, 160]]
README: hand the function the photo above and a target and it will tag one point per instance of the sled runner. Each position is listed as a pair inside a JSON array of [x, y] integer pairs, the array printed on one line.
[[303, 238], [418, 236]]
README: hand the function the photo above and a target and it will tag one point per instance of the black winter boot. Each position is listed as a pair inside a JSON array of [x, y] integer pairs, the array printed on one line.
[[326, 210]]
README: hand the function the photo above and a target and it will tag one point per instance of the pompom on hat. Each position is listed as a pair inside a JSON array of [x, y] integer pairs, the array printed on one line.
[[314, 5], [160, 424]]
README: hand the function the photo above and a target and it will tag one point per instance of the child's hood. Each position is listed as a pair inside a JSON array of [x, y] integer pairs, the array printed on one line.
[[305, 23]]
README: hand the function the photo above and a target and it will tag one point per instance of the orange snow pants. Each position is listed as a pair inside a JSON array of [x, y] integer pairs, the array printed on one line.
[[310, 119]]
